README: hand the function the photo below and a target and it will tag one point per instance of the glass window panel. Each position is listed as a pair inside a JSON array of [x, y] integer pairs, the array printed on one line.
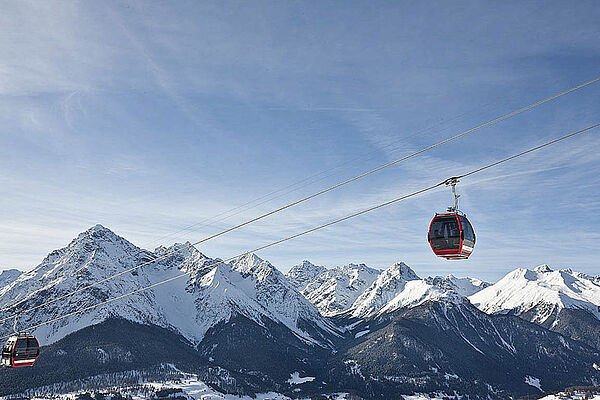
[[468, 229], [445, 233], [21, 345], [32, 347]]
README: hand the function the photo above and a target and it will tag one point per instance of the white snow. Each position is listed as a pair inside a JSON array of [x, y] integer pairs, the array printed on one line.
[[354, 368], [211, 292], [399, 287], [295, 379], [571, 396], [302, 274], [541, 290], [359, 291], [415, 293], [387, 286], [362, 333], [191, 305], [190, 386], [433, 396], [464, 286], [336, 289], [533, 381], [199, 390], [8, 276]]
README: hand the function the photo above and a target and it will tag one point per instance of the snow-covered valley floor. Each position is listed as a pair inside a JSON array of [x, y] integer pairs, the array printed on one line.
[[187, 388], [191, 388]]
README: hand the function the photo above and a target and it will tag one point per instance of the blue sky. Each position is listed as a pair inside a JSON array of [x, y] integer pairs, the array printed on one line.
[[148, 117]]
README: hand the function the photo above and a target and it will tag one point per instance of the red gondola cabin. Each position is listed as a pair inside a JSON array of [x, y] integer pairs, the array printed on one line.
[[451, 236], [20, 351]]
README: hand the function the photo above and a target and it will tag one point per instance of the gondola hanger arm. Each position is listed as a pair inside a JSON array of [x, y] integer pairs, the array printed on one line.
[[452, 182]]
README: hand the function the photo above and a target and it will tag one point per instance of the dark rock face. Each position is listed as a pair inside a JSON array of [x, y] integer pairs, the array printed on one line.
[[455, 347], [579, 325], [268, 355], [564, 301]]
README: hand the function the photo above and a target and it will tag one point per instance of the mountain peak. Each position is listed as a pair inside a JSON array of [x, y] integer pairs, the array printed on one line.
[[401, 270], [100, 237], [362, 267], [334, 290], [185, 248], [300, 275], [183, 256], [307, 267], [249, 262], [306, 263], [542, 268], [387, 286], [99, 228], [8, 276], [97, 233], [92, 253], [539, 294], [464, 286]]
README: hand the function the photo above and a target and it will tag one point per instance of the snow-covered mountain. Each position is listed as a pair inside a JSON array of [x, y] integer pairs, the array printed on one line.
[[9, 276], [335, 290], [448, 343], [360, 291], [464, 286], [211, 292], [389, 284], [279, 300], [243, 327], [92, 255], [541, 293], [302, 274]]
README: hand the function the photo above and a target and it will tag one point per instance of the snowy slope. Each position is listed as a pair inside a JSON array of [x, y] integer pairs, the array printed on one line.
[[302, 274], [278, 299], [465, 286], [136, 384], [336, 289], [8, 276], [210, 293], [386, 287], [416, 292], [94, 254], [541, 291], [187, 388], [360, 291], [574, 395], [133, 385]]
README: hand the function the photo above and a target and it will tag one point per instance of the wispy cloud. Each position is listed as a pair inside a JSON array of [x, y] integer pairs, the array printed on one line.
[[150, 117]]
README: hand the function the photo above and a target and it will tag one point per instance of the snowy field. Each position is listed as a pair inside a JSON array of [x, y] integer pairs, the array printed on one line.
[[580, 396], [189, 388]]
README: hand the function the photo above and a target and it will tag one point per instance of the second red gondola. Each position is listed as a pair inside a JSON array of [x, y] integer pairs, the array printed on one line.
[[20, 351]]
